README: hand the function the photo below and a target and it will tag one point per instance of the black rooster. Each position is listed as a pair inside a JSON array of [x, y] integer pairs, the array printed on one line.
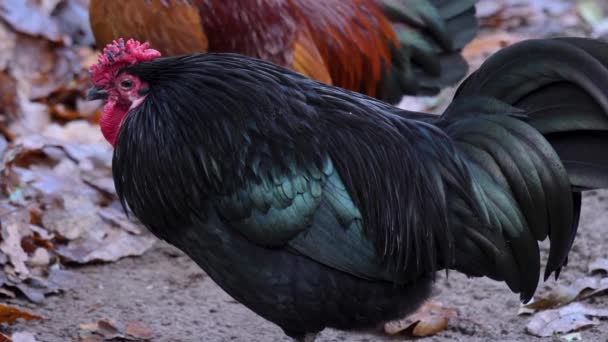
[[318, 207]]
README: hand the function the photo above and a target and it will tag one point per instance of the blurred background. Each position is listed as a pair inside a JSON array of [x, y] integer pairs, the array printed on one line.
[[73, 267]]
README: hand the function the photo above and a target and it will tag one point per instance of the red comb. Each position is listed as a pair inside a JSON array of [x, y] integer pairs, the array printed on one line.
[[117, 55]]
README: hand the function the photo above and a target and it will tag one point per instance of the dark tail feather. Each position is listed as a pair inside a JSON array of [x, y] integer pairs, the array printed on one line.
[[562, 85], [585, 156], [431, 34], [558, 87]]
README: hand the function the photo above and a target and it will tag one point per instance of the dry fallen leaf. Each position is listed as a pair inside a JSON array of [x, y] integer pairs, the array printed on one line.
[[4, 338], [76, 218], [35, 289], [566, 319], [42, 68], [62, 183], [7, 45], [115, 245], [29, 19], [53, 167], [581, 288], [108, 329], [117, 217], [138, 330], [90, 237], [429, 320], [10, 314], [12, 234], [8, 94]]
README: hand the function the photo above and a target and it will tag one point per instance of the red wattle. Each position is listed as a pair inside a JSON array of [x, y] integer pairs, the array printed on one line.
[[111, 118]]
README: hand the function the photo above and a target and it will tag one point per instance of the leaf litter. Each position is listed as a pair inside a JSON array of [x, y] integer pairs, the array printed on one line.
[[430, 319], [11, 314], [58, 204], [104, 330], [560, 311], [569, 318]]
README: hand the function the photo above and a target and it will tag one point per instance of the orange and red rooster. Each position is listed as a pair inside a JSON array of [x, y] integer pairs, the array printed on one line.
[[382, 48]]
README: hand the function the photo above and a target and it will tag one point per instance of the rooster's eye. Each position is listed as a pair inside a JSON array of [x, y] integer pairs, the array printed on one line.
[[126, 84]]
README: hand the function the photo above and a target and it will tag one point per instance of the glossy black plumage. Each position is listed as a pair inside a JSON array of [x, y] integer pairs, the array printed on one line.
[[315, 206]]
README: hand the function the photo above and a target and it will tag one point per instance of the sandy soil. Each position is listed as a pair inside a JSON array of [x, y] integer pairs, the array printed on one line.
[[166, 291]]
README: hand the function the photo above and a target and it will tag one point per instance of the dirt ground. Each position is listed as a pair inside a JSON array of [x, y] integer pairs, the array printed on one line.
[[166, 291]]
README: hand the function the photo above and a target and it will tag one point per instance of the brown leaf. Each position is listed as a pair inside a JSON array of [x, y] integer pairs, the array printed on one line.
[[29, 19], [118, 218], [35, 289], [62, 111], [33, 117], [62, 179], [429, 320], [108, 329], [10, 314], [139, 331], [89, 237], [43, 165], [42, 68], [8, 94], [115, 245], [30, 246], [581, 288], [566, 319], [12, 234], [7, 45], [82, 135], [4, 338], [66, 103], [55, 167], [77, 218]]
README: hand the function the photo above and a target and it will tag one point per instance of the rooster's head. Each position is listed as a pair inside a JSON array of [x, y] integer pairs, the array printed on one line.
[[121, 91]]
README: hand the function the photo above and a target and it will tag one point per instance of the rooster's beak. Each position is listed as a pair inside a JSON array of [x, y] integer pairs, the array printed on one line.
[[96, 93]]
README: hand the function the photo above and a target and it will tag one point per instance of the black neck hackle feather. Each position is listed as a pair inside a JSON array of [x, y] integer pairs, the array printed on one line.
[[207, 116]]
